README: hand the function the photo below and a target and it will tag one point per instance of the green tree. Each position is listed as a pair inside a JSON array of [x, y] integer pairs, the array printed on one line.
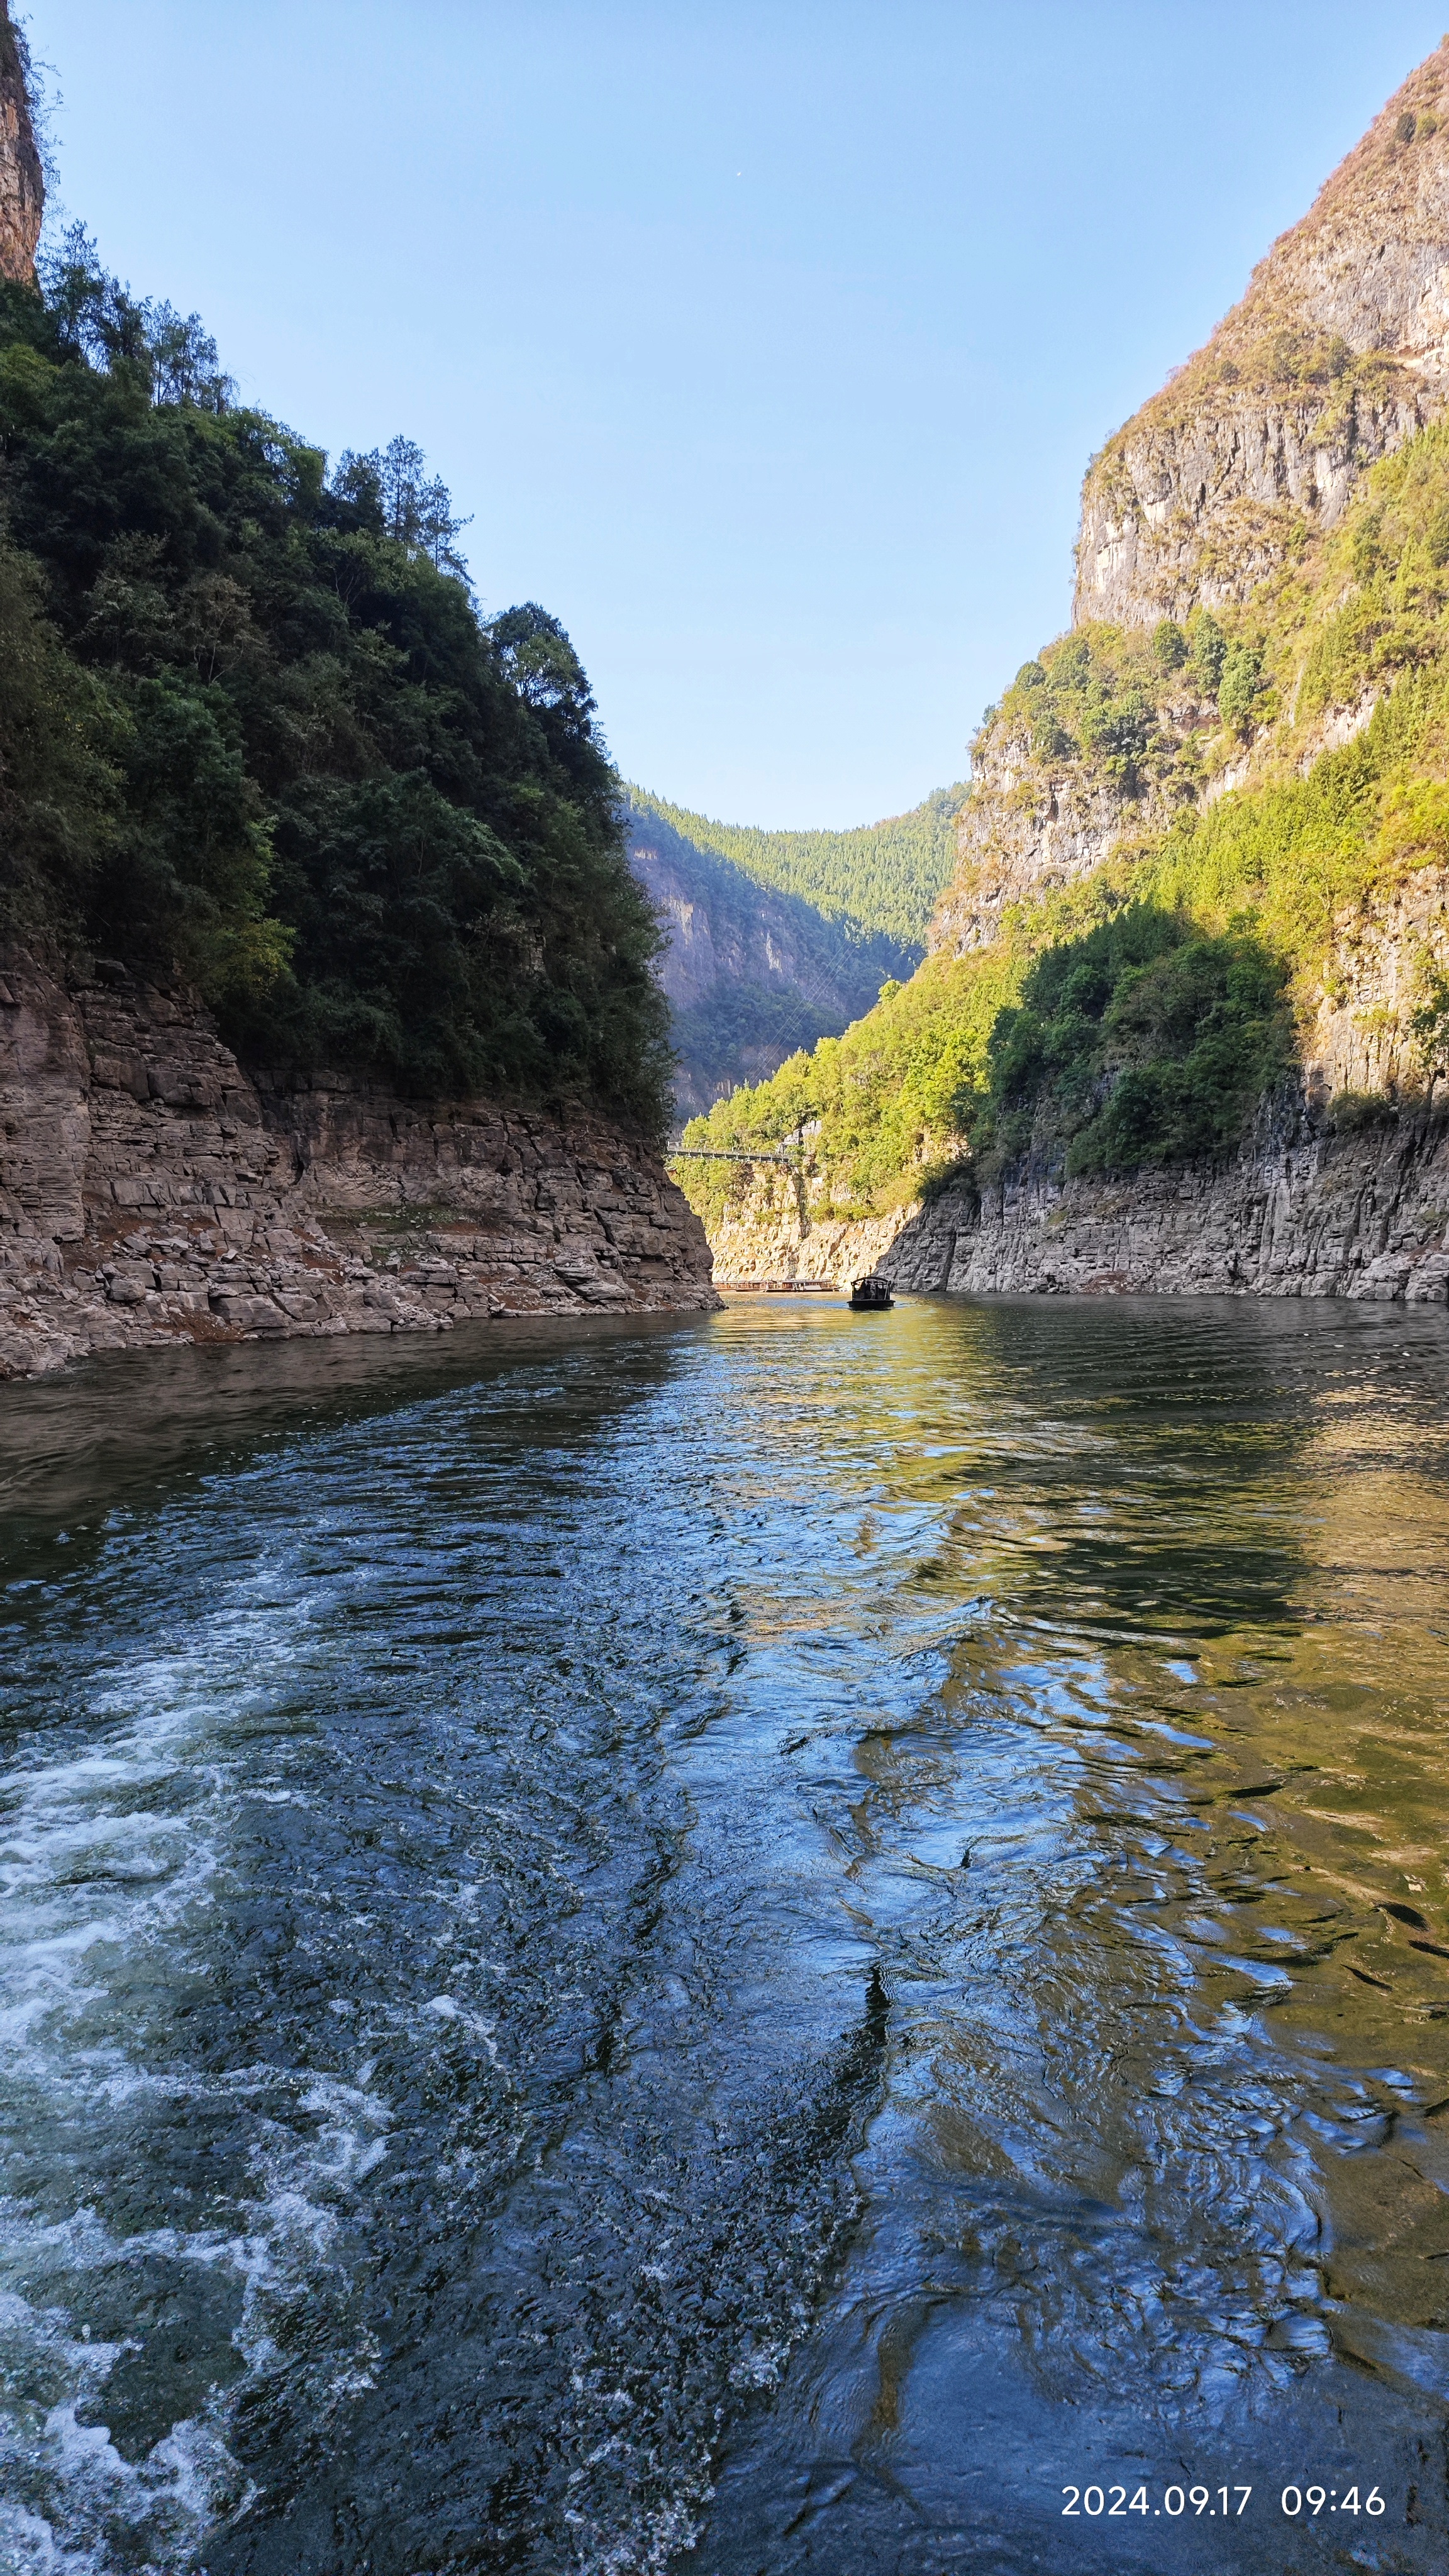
[[259, 737], [1209, 650], [1169, 645], [1240, 685]]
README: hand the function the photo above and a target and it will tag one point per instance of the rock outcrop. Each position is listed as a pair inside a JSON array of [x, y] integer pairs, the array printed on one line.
[[1028, 827], [22, 184], [1300, 1212], [151, 1190], [1303, 1211], [1337, 353]]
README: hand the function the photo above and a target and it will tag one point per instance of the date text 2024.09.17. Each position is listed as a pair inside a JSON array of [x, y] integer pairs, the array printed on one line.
[[1228, 2502]]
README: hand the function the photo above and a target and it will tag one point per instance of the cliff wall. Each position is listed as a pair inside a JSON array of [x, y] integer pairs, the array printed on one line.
[[1338, 352], [150, 1190], [1302, 1211], [1336, 356], [22, 184], [1299, 1213], [1030, 825]]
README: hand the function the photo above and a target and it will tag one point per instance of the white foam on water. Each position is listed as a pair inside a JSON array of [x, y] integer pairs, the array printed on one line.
[[109, 1865]]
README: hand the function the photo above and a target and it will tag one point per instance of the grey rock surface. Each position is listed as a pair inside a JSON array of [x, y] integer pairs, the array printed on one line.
[[1300, 1212], [1337, 353]]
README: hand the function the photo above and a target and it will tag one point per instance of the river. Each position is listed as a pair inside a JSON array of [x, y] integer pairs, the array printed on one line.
[[786, 1941]]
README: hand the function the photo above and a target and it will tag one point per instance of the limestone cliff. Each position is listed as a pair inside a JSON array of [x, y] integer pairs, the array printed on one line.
[[152, 1191], [1244, 613], [1031, 825], [22, 186], [1299, 1212], [1303, 1210], [1337, 353]]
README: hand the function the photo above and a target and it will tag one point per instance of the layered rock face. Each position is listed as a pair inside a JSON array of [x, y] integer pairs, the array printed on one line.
[[22, 185], [1302, 1211], [1299, 1213], [1197, 506], [150, 1190], [1026, 829], [776, 1236], [1338, 352]]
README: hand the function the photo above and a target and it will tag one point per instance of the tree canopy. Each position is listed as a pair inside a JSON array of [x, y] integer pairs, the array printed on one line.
[[254, 733]]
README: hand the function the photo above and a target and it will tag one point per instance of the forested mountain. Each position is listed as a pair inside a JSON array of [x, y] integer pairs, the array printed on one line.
[[879, 877], [255, 736], [751, 974], [1206, 854]]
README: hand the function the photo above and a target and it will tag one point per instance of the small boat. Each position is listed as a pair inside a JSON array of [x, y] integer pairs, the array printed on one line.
[[870, 1296]]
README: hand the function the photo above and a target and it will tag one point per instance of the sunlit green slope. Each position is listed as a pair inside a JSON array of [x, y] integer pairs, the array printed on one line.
[[879, 877], [1137, 1015]]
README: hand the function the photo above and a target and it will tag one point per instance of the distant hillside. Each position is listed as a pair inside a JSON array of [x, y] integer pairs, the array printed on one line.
[[752, 975], [881, 876]]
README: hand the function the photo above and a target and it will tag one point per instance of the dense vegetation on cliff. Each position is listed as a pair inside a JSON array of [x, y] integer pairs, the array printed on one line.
[[752, 974], [1137, 1015], [253, 732], [881, 877]]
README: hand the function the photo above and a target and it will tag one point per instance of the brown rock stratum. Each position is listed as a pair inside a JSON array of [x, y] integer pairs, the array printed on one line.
[[22, 184], [151, 1191]]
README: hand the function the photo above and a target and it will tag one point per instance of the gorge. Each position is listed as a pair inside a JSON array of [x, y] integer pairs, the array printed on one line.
[[753, 967], [654, 1934], [1228, 775]]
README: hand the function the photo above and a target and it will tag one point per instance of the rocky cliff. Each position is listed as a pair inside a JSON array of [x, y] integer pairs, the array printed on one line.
[[1030, 826], [1303, 1210], [1300, 1212], [1336, 356], [1337, 353], [1244, 732], [22, 187], [152, 1191]]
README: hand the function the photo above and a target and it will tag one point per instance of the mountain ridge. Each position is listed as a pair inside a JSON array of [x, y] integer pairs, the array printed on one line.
[[872, 877], [751, 973]]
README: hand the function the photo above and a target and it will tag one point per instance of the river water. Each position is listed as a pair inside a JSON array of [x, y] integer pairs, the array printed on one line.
[[778, 1942]]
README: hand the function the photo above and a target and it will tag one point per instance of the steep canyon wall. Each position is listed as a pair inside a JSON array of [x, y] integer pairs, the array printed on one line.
[[1337, 353], [151, 1190], [1301, 1211]]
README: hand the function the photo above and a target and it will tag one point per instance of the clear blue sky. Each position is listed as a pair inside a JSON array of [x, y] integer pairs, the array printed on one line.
[[765, 340]]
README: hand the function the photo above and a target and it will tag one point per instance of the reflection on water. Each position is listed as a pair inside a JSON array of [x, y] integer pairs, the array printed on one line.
[[757, 1945]]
